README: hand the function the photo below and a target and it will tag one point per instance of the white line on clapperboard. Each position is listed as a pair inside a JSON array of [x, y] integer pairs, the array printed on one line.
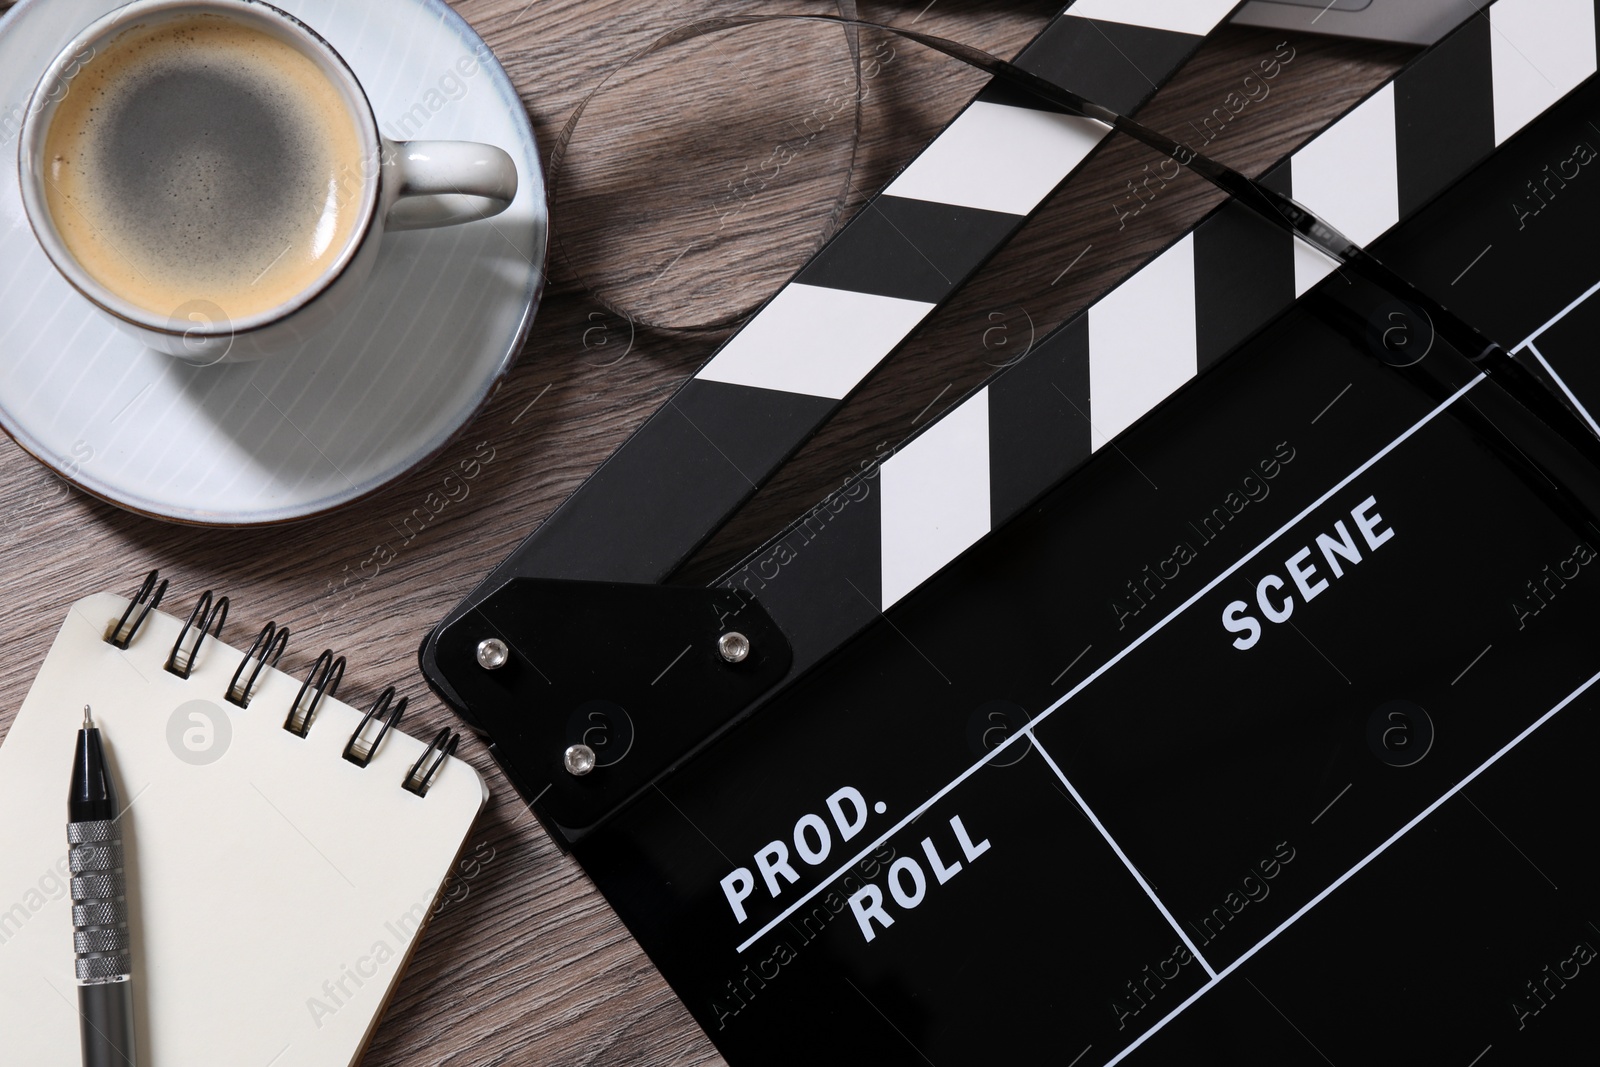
[[1576, 403], [1126, 862], [1538, 355], [1347, 875], [1563, 313], [1112, 662], [1529, 345]]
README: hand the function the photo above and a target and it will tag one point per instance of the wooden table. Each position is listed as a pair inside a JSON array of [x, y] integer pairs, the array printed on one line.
[[529, 965]]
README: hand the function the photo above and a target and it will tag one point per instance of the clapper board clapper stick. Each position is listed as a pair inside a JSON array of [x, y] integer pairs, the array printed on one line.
[[810, 787]]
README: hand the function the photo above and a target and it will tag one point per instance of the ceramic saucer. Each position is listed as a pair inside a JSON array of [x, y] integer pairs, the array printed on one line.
[[309, 429]]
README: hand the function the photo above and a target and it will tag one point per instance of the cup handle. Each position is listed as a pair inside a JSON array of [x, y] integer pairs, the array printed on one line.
[[442, 183]]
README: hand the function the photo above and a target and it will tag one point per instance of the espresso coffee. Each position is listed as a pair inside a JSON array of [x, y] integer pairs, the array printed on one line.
[[203, 159]]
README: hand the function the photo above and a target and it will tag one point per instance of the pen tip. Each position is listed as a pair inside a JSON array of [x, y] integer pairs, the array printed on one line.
[[88, 719]]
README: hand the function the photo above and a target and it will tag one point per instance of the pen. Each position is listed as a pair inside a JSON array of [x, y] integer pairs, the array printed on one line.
[[99, 907]]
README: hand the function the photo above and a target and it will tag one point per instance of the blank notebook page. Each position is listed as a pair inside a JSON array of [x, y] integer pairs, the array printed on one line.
[[274, 892]]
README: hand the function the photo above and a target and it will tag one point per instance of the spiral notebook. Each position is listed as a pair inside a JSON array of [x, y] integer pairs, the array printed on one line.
[[277, 883]]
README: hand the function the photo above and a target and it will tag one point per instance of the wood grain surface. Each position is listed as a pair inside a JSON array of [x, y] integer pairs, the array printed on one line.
[[527, 964]]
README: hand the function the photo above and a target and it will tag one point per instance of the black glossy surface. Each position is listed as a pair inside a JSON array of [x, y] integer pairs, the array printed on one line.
[[1370, 823], [91, 795], [909, 249], [632, 671], [670, 487]]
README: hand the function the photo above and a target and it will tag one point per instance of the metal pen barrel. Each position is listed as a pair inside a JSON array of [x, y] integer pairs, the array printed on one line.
[[101, 943]]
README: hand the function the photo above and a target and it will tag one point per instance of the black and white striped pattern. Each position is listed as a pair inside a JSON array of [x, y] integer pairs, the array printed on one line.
[[769, 388], [728, 429], [986, 459], [957, 202], [1403, 144]]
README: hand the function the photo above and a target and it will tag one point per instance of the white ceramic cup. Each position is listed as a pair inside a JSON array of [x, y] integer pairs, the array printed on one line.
[[405, 185]]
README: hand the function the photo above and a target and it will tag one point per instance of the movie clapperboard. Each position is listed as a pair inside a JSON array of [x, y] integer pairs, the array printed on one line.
[[1212, 685]]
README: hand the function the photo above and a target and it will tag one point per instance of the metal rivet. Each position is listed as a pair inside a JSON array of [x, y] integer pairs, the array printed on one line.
[[734, 646], [492, 653], [579, 760]]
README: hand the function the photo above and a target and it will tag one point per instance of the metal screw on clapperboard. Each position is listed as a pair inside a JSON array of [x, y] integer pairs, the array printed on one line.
[[580, 759], [492, 654]]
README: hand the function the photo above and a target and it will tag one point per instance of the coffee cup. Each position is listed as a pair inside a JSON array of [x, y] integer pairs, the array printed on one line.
[[210, 175]]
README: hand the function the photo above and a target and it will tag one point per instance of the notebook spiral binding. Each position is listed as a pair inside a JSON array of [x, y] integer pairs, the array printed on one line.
[[322, 680]]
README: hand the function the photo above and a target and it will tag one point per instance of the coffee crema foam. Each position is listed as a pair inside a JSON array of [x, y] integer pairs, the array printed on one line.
[[203, 159]]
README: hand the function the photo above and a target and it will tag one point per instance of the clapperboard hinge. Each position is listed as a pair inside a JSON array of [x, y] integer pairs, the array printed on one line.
[[986, 459]]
